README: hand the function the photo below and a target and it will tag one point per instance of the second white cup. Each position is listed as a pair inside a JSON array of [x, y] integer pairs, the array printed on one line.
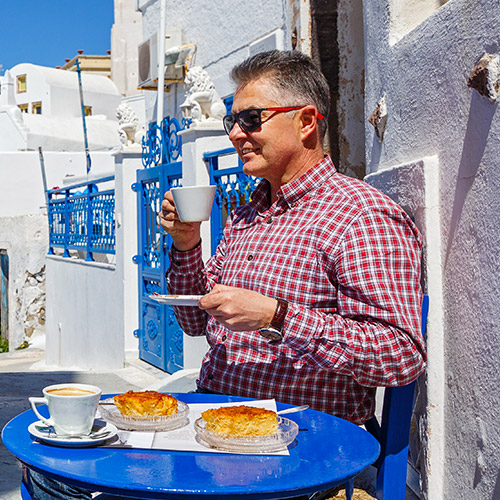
[[193, 203]]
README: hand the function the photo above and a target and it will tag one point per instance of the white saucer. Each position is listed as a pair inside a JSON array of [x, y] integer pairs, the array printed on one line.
[[98, 435], [177, 300]]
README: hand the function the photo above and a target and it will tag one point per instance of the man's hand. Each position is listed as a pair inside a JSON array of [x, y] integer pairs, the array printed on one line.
[[186, 235], [238, 309]]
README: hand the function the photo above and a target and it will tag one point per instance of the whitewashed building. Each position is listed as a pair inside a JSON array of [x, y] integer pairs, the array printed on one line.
[[40, 107]]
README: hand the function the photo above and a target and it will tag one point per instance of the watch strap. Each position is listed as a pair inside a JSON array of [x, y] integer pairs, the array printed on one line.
[[273, 331], [278, 320]]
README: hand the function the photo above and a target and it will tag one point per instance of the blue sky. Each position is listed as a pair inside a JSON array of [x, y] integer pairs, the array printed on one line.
[[46, 32]]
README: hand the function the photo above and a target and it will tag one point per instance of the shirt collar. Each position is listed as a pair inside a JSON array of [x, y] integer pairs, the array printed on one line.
[[292, 192]]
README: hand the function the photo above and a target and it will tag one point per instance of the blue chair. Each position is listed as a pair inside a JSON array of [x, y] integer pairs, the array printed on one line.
[[393, 434]]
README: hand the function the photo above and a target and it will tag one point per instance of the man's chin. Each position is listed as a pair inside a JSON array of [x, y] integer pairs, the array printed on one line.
[[252, 168]]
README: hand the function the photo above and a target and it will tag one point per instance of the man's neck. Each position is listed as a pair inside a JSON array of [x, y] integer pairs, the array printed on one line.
[[308, 160]]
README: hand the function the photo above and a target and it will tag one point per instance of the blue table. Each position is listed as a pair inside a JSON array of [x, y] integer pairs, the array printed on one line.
[[327, 452]]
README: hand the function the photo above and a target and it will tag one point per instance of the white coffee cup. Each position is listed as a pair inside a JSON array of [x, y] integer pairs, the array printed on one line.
[[193, 203], [72, 408]]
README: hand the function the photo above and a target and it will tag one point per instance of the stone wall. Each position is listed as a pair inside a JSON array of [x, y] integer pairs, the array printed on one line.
[[25, 238]]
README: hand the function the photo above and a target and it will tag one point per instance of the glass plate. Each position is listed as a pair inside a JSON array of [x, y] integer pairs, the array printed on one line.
[[167, 423], [287, 432]]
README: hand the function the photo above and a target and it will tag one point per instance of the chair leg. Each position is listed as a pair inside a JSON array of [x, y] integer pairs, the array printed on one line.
[[24, 493], [349, 489]]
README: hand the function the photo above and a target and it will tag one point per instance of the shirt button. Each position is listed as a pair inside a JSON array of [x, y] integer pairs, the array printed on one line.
[[224, 338], [210, 377], [269, 220], [250, 257]]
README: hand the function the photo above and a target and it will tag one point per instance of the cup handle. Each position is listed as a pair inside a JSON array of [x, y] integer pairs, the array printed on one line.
[[34, 402]]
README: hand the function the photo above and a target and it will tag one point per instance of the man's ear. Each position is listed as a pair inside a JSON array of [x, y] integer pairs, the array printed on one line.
[[308, 117]]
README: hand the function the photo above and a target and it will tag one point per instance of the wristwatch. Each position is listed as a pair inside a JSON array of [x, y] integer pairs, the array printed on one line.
[[274, 329]]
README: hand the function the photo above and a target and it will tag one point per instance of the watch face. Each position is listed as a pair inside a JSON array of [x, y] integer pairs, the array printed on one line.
[[270, 334]]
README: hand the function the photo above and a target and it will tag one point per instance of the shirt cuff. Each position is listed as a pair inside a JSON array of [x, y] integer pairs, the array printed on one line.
[[181, 258]]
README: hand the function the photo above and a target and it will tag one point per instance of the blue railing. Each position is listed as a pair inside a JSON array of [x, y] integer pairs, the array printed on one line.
[[82, 218], [234, 189]]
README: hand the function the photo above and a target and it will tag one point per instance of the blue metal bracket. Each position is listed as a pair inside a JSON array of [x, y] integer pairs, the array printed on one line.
[[138, 259]]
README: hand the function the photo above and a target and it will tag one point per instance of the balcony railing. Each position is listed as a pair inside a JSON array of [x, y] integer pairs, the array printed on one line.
[[82, 217]]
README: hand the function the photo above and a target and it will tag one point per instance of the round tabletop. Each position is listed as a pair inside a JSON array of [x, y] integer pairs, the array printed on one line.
[[327, 452]]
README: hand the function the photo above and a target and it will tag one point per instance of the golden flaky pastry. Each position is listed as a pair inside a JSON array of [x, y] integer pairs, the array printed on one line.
[[241, 421], [146, 404]]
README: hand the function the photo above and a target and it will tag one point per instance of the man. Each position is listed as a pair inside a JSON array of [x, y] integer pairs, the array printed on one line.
[[313, 295]]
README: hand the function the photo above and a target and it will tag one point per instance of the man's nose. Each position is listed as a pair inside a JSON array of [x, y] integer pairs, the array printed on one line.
[[236, 133]]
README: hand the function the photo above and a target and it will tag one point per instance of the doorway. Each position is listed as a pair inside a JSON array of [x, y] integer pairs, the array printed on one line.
[[4, 298]]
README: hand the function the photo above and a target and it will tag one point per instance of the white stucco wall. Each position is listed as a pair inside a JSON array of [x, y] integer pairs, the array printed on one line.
[[21, 185], [103, 309], [432, 113], [126, 35], [225, 43], [84, 328], [127, 165]]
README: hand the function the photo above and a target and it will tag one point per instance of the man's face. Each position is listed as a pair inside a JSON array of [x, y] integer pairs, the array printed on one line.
[[270, 150]]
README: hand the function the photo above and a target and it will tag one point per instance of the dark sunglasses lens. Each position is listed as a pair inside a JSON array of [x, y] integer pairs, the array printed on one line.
[[249, 119], [228, 122]]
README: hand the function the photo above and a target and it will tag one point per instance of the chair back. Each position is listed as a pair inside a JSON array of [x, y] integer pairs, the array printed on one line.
[[394, 434]]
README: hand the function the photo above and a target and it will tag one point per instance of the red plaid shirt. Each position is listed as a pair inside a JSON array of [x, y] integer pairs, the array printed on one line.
[[347, 259]]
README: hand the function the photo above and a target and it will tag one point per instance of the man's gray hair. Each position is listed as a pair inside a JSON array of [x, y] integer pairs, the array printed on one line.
[[293, 74]]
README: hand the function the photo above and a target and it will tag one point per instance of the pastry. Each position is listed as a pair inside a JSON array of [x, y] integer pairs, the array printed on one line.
[[146, 404], [245, 421]]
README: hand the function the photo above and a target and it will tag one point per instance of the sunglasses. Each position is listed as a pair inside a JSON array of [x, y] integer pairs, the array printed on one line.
[[251, 119]]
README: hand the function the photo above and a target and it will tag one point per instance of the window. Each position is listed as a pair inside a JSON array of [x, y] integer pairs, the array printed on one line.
[[23, 108], [21, 84], [88, 110], [36, 108]]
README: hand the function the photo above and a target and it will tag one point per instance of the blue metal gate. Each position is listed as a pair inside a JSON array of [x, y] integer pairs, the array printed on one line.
[[160, 337]]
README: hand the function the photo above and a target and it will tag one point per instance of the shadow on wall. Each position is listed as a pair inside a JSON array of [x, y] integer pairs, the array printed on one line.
[[496, 491], [376, 152], [481, 114]]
